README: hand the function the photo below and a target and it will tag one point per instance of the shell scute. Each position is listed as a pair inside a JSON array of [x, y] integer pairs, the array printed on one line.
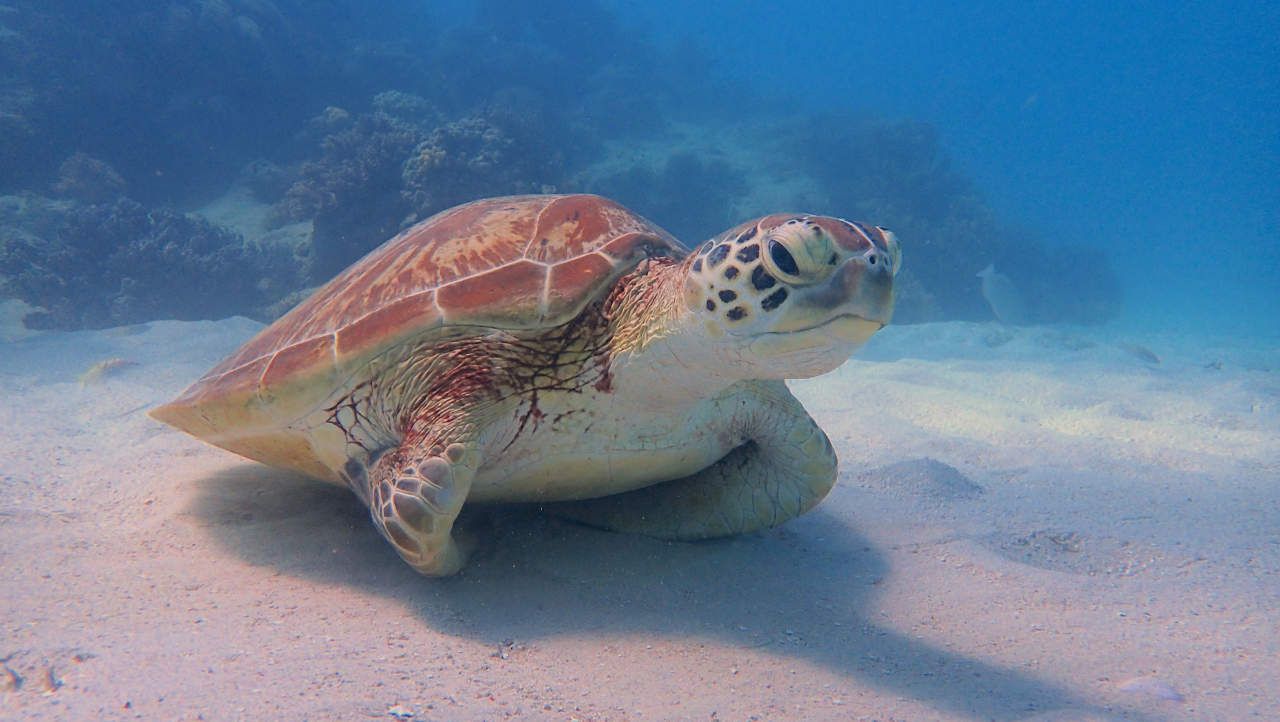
[[310, 354], [569, 281], [572, 225], [417, 310], [505, 295]]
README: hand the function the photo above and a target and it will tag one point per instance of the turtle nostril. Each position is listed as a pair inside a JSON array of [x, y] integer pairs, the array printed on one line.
[[872, 259]]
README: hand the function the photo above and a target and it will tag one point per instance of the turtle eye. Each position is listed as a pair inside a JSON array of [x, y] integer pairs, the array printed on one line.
[[782, 259]]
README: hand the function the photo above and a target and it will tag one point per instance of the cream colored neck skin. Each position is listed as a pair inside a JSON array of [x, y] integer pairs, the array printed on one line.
[[663, 357], [673, 372]]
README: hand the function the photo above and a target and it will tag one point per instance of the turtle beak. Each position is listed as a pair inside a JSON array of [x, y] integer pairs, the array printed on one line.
[[866, 284], [860, 288], [846, 309], [833, 314]]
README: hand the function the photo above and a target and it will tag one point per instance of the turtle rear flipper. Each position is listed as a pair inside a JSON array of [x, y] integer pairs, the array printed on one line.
[[785, 467]]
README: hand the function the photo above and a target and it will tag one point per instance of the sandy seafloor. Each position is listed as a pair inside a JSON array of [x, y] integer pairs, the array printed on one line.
[[1031, 524]]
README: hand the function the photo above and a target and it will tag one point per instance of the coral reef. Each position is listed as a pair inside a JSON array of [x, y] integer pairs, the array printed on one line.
[[85, 178], [352, 190], [185, 90], [398, 163], [473, 158], [267, 181], [357, 164], [404, 107], [120, 262]]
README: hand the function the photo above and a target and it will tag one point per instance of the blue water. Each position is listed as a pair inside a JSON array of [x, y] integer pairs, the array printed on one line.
[[1146, 133], [1150, 130]]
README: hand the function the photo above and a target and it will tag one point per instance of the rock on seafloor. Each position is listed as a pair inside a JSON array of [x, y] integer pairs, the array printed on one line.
[[923, 478], [1152, 688]]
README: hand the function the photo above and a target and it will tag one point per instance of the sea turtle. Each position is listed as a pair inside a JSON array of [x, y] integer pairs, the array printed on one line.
[[559, 349]]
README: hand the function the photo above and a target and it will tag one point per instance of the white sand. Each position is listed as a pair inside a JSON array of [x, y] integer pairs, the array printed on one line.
[[1121, 561]]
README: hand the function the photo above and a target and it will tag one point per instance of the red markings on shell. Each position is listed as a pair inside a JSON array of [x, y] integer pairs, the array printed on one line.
[[571, 280], [509, 293], [410, 312]]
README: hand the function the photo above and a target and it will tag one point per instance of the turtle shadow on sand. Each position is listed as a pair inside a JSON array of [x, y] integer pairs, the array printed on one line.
[[800, 591]]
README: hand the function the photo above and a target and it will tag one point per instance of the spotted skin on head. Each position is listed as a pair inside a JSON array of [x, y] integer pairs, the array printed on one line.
[[722, 271], [746, 276]]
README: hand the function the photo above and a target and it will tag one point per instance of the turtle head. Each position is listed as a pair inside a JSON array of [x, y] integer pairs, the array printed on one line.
[[792, 296]]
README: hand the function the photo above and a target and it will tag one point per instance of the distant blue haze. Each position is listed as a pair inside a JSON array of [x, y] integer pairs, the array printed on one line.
[[1149, 129]]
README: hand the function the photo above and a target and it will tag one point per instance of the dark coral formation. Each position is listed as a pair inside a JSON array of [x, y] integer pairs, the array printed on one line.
[[90, 266], [399, 163], [352, 190], [88, 179], [267, 181], [472, 158]]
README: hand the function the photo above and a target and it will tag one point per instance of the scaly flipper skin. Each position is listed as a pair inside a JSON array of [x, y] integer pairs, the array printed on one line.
[[785, 467], [415, 493]]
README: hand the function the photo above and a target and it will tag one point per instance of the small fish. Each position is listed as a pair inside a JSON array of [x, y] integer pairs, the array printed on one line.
[[1142, 352], [1003, 297], [104, 368]]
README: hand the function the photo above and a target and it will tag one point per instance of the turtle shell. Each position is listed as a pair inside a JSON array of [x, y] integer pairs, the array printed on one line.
[[522, 262]]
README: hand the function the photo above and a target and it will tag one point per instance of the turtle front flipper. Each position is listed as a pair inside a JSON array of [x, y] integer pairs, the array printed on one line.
[[784, 468], [414, 494]]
